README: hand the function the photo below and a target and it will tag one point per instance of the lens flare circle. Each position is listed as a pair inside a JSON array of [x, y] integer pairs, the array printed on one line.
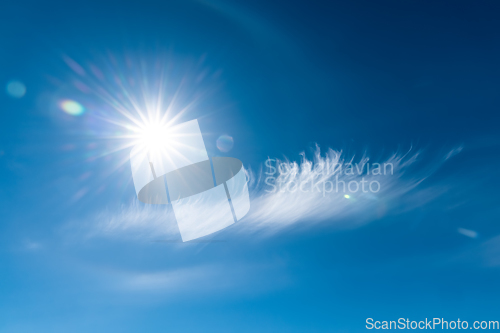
[[71, 107], [16, 89], [225, 143]]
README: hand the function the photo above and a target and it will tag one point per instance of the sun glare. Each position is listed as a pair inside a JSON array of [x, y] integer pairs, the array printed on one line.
[[155, 136], [134, 100]]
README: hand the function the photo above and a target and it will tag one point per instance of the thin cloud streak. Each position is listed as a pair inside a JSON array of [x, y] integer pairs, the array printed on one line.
[[190, 280]]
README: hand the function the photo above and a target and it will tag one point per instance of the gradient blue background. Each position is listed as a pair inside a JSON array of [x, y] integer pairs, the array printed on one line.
[[350, 75]]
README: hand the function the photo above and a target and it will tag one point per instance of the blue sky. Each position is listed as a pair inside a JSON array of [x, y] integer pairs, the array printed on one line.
[[408, 82]]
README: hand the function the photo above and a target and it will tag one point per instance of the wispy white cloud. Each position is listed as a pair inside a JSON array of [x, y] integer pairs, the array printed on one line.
[[341, 190], [467, 232], [133, 221], [454, 152], [325, 196]]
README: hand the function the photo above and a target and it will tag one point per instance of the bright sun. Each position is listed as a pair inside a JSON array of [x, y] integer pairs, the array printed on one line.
[[155, 136]]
